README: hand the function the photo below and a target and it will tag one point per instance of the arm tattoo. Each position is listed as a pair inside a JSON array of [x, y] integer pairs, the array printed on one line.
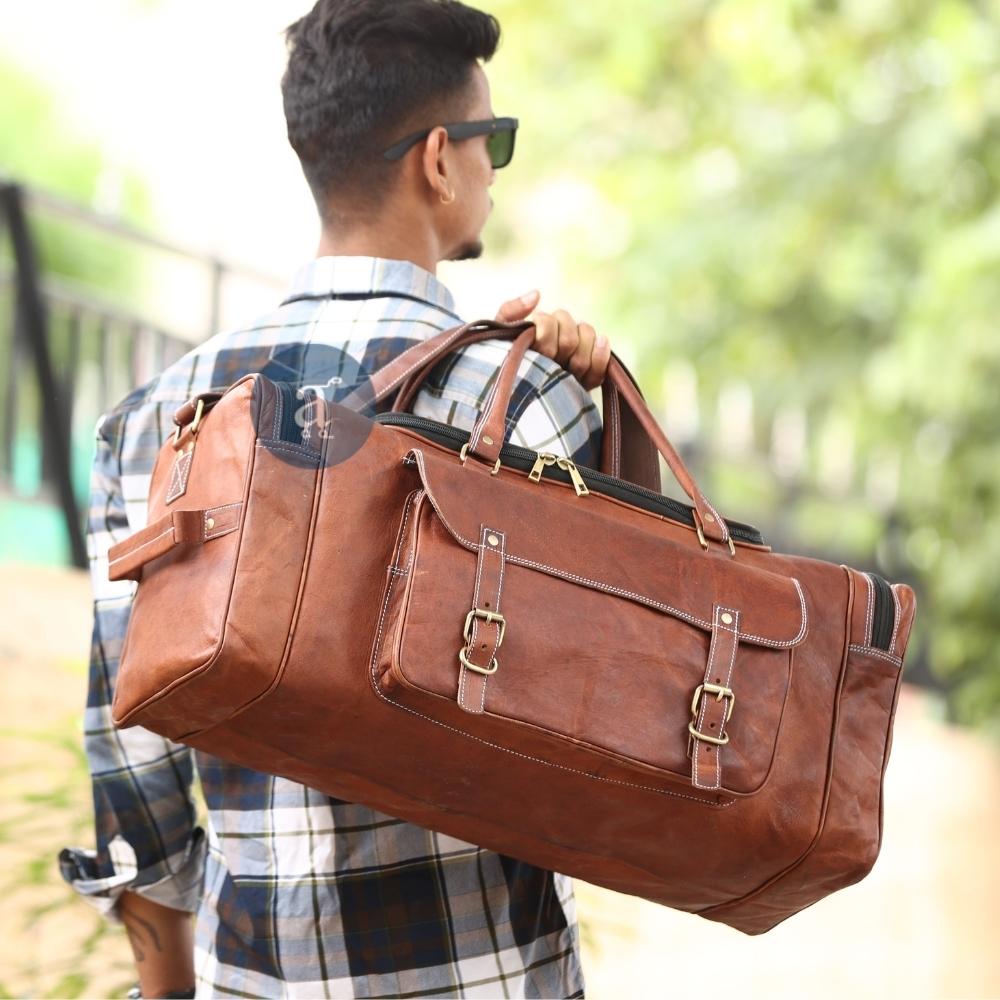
[[135, 926]]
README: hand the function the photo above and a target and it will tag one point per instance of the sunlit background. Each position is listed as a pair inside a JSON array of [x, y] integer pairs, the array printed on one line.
[[783, 213]]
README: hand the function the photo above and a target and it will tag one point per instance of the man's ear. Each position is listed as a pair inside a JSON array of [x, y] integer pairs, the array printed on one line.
[[435, 165]]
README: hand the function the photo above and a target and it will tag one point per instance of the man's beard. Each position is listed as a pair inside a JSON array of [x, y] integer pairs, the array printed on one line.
[[469, 251]]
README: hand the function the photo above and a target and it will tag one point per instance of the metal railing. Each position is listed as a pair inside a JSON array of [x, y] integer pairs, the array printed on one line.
[[56, 333]]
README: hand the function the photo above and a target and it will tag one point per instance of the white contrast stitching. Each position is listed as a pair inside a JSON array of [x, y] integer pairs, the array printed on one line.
[[871, 605], [225, 506], [895, 624], [292, 450], [411, 500], [729, 676], [616, 443], [224, 530], [429, 358], [178, 483], [515, 753], [484, 415], [880, 653], [496, 642], [484, 549], [717, 627], [610, 588], [717, 515], [278, 406], [139, 548]]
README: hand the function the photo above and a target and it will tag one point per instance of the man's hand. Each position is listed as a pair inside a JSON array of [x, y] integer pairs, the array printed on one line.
[[576, 346]]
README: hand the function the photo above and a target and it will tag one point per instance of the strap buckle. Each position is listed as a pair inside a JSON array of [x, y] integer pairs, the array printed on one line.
[[720, 692], [491, 669], [488, 617]]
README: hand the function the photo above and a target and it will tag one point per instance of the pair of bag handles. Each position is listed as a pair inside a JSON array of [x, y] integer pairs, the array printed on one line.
[[631, 441], [632, 438]]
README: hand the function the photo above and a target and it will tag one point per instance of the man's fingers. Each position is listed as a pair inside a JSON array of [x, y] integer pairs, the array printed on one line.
[[600, 356], [575, 346], [580, 361], [546, 334], [520, 308], [568, 336]]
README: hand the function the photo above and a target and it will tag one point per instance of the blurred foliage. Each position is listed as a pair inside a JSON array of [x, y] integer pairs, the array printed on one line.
[[39, 147], [800, 196]]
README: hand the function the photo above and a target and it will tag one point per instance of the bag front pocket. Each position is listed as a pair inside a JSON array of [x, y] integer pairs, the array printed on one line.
[[576, 666]]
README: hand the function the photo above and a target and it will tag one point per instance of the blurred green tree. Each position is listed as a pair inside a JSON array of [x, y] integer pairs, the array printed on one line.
[[798, 196]]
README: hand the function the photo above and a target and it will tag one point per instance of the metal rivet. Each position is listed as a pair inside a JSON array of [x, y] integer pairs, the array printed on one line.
[[709, 519], [210, 523], [487, 439], [727, 618], [493, 540]]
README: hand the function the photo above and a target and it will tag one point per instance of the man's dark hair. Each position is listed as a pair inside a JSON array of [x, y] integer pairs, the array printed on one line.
[[363, 73]]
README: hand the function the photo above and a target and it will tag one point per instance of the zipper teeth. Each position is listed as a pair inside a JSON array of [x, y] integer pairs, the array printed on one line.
[[678, 511], [884, 616]]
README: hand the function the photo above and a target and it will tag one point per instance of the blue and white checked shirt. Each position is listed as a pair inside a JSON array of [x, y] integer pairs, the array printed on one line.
[[299, 894]]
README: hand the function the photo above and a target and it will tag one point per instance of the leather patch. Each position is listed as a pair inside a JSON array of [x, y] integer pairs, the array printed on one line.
[[179, 473]]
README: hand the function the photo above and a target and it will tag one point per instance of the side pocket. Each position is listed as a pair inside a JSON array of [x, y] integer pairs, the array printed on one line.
[[393, 593], [851, 836]]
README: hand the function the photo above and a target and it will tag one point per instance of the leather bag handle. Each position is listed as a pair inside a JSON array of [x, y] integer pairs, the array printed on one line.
[[196, 527], [627, 451], [488, 433]]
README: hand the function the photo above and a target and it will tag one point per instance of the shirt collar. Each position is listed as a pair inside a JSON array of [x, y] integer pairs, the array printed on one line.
[[328, 276]]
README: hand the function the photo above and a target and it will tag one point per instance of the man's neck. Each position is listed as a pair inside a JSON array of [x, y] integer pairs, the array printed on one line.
[[418, 248]]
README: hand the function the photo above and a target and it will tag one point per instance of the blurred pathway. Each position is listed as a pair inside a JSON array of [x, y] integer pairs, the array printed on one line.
[[924, 924]]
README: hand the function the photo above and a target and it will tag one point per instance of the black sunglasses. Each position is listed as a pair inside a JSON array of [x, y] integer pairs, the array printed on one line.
[[500, 134]]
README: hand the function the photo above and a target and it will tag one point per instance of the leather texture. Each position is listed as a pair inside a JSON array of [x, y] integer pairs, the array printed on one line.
[[659, 707]]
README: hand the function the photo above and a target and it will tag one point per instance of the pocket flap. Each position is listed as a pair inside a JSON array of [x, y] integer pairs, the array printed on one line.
[[588, 541]]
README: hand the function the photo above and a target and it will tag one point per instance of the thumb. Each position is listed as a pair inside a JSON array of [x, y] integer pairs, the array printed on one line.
[[520, 308]]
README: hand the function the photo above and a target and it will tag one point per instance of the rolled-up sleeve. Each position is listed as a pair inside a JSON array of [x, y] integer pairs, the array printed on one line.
[[146, 837]]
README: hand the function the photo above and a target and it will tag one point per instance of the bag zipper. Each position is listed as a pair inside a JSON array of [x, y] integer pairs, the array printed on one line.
[[883, 613], [526, 460]]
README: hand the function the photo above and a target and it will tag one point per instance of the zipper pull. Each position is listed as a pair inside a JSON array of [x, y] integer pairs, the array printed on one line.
[[574, 474], [544, 458]]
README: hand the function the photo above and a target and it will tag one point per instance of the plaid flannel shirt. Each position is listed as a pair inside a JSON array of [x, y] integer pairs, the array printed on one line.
[[297, 893]]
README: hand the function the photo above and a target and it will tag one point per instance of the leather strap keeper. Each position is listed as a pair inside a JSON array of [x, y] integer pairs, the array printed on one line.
[[126, 559]]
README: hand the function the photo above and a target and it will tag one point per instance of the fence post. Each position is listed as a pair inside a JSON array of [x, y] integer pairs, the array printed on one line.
[[33, 327]]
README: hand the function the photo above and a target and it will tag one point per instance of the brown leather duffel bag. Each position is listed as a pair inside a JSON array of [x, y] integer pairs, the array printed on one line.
[[555, 663]]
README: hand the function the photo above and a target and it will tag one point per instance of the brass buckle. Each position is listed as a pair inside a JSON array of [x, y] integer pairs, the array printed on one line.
[[720, 692], [464, 454], [486, 616], [199, 412], [491, 669], [708, 739], [704, 542]]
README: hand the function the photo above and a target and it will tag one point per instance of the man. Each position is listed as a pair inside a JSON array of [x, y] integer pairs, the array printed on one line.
[[298, 894]]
